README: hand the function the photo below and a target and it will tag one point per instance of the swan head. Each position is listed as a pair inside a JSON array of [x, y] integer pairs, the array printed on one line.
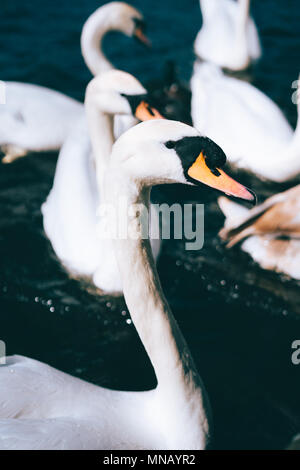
[[120, 16], [162, 151], [118, 92]]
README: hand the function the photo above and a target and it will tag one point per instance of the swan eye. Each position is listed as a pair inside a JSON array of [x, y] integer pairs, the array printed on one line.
[[170, 144]]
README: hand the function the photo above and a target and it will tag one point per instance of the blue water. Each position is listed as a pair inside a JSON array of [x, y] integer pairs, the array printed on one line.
[[238, 320]]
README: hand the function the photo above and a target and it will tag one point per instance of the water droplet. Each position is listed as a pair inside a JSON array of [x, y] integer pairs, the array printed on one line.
[[52, 309], [108, 304], [223, 282], [123, 313], [36, 299], [128, 321]]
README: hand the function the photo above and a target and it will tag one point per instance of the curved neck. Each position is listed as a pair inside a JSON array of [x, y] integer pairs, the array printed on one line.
[[100, 127], [174, 367], [95, 28], [207, 8]]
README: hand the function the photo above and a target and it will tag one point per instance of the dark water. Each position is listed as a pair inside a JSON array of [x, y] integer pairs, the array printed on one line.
[[239, 321]]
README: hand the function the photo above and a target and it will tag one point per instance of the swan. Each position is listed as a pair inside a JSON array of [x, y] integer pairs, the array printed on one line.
[[247, 124], [228, 36], [43, 408], [269, 233], [35, 118], [70, 216]]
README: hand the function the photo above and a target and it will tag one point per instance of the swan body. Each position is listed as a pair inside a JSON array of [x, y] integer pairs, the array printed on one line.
[[248, 125], [228, 37], [72, 212], [269, 233], [64, 412], [36, 118]]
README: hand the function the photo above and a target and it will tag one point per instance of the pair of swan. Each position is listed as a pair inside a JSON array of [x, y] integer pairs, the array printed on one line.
[[248, 125], [43, 408], [35, 118], [228, 36], [269, 233], [71, 213]]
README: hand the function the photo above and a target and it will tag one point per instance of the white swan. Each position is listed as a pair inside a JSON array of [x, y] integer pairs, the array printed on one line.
[[71, 216], [228, 37], [36, 118], [249, 126], [63, 412], [269, 233]]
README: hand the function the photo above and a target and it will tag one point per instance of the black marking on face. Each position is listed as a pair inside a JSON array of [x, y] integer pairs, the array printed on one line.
[[140, 24], [189, 149], [134, 100]]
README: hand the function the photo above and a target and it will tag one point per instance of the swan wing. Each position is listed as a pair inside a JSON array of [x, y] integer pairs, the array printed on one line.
[[36, 118], [278, 215]]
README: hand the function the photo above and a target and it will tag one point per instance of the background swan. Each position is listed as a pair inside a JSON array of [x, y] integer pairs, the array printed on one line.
[[228, 36], [269, 233], [63, 412], [36, 118], [71, 213], [246, 123]]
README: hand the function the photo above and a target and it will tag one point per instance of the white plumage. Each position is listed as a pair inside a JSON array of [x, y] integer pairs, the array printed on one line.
[[247, 124]]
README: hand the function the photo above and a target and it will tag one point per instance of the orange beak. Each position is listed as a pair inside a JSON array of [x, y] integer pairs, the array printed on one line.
[[140, 35], [199, 171], [144, 112]]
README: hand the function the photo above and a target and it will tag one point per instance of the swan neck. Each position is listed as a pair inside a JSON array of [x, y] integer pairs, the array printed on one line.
[[93, 31], [100, 127], [207, 8], [174, 367], [241, 54]]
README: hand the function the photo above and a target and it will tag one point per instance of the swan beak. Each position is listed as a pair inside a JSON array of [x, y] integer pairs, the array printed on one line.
[[141, 37], [219, 180], [145, 112]]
